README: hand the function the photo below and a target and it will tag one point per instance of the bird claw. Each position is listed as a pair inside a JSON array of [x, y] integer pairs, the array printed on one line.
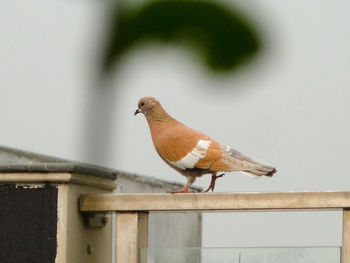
[[212, 182], [209, 188], [182, 190]]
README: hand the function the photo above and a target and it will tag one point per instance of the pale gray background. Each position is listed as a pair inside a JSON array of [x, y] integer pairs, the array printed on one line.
[[291, 108]]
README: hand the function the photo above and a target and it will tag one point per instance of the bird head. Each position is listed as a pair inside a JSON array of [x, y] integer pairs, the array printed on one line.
[[145, 105]]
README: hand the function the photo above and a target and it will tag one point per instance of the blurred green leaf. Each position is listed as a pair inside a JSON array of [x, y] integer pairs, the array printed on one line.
[[221, 35]]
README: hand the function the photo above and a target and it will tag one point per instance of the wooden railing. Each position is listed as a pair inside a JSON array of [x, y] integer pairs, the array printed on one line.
[[132, 211]]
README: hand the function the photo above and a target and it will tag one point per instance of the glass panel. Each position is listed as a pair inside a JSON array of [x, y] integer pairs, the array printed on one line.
[[242, 255]]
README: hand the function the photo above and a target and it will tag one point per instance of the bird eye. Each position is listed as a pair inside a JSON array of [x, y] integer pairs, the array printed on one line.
[[142, 104]]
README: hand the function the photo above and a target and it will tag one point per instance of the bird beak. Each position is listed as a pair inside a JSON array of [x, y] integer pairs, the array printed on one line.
[[137, 112]]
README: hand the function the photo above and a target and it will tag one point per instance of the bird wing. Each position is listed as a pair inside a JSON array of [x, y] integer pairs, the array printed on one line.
[[185, 148], [213, 154], [233, 160], [216, 158]]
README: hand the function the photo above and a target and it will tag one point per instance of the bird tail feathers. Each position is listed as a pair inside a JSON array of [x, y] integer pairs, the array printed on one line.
[[256, 173], [258, 168], [255, 168]]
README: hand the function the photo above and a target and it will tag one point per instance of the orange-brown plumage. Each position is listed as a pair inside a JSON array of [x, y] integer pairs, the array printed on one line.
[[191, 152]]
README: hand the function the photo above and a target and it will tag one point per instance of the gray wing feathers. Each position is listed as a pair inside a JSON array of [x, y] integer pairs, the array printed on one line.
[[255, 168]]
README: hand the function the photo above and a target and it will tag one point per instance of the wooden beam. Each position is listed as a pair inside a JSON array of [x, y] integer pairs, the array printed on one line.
[[346, 236], [131, 236], [215, 201]]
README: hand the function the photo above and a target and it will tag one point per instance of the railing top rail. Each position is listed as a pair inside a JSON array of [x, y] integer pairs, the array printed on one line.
[[215, 201]]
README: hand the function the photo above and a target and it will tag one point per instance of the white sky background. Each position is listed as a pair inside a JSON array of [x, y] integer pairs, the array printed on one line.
[[291, 108]]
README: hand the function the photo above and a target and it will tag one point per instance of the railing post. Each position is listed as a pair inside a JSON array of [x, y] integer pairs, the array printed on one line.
[[131, 236], [346, 236]]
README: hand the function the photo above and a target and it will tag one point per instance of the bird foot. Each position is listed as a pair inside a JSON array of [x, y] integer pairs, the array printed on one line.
[[212, 182], [181, 190]]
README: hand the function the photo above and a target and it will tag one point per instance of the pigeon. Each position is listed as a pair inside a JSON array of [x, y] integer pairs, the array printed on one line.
[[193, 153]]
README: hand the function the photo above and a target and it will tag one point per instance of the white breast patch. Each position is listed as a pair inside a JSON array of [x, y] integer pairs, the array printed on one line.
[[190, 160]]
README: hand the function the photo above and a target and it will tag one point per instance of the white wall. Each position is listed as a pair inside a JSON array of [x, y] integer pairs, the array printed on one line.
[[290, 108]]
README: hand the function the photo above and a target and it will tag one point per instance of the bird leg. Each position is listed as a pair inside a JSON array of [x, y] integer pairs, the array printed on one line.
[[184, 189], [212, 182]]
